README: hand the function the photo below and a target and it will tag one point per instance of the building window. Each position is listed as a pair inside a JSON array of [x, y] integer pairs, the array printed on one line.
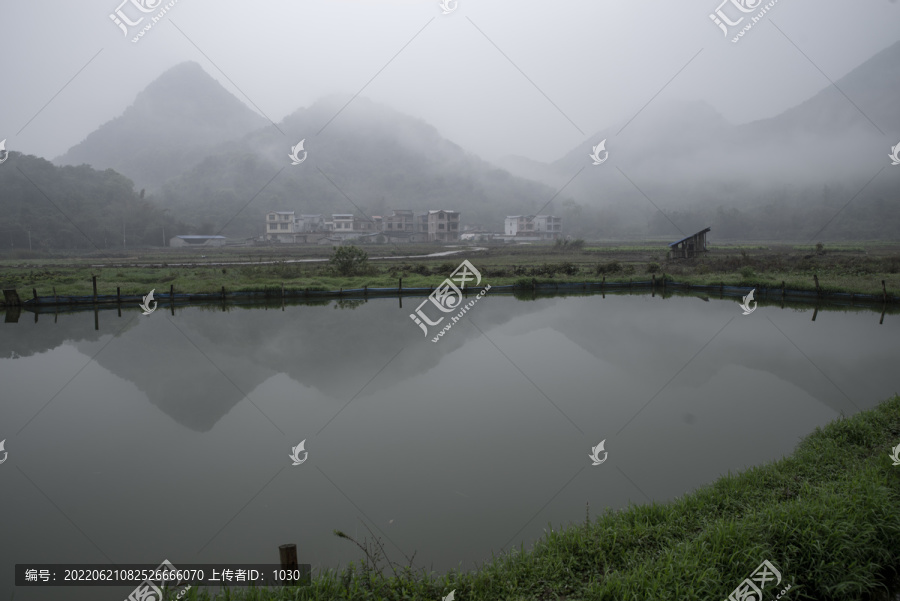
[[271, 217], [440, 226], [282, 226]]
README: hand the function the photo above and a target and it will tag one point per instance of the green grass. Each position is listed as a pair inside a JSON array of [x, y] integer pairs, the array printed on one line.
[[744, 265], [827, 517]]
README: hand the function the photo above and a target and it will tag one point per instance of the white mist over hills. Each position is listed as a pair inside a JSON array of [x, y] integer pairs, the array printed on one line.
[[203, 153]]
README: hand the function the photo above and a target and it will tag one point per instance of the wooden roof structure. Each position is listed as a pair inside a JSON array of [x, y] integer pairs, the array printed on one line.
[[689, 246]]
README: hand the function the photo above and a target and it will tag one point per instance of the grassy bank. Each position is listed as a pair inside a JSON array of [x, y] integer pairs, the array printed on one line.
[[858, 269], [827, 517]]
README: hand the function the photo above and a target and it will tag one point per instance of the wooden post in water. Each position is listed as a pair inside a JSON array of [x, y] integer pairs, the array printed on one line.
[[400, 287], [603, 283], [883, 292], [533, 283], [653, 281], [96, 318], [366, 290], [782, 289], [815, 312], [34, 294], [118, 295], [94, 279], [223, 294], [816, 279], [288, 555], [282, 292], [55, 300]]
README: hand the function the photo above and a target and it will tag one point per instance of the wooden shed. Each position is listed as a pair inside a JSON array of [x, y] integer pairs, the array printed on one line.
[[687, 248]]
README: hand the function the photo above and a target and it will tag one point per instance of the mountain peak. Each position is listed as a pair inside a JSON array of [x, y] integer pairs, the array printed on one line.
[[178, 119]]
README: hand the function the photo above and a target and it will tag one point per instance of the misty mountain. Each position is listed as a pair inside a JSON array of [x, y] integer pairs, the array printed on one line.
[[174, 123], [368, 159], [780, 177]]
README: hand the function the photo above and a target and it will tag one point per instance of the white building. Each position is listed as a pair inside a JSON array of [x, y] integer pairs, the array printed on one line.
[[280, 226], [348, 225], [544, 227]]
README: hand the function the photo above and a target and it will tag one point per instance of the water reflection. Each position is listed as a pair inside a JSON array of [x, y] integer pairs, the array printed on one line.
[[175, 429]]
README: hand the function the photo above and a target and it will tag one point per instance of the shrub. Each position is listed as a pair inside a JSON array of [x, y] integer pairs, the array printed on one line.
[[747, 272], [611, 267], [349, 260], [652, 267]]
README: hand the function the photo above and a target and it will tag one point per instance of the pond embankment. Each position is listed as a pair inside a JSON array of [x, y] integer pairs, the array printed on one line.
[[825, 518]]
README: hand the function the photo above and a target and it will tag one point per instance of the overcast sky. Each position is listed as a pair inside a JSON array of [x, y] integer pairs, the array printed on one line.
[[498, 77]]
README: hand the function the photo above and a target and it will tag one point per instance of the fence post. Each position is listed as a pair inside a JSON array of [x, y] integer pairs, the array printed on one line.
[[34, 294], [883, 292], [94, 280], [118, 294], [400, 285], [288, 555], [782, 288], [223, 293], [816, 278]]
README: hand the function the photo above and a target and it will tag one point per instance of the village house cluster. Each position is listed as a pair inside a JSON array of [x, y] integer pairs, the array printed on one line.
[[402, 226]]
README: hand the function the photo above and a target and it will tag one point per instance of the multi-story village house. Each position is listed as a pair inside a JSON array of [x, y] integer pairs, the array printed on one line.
[[280, 226], [545, 227], [443, 226]]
